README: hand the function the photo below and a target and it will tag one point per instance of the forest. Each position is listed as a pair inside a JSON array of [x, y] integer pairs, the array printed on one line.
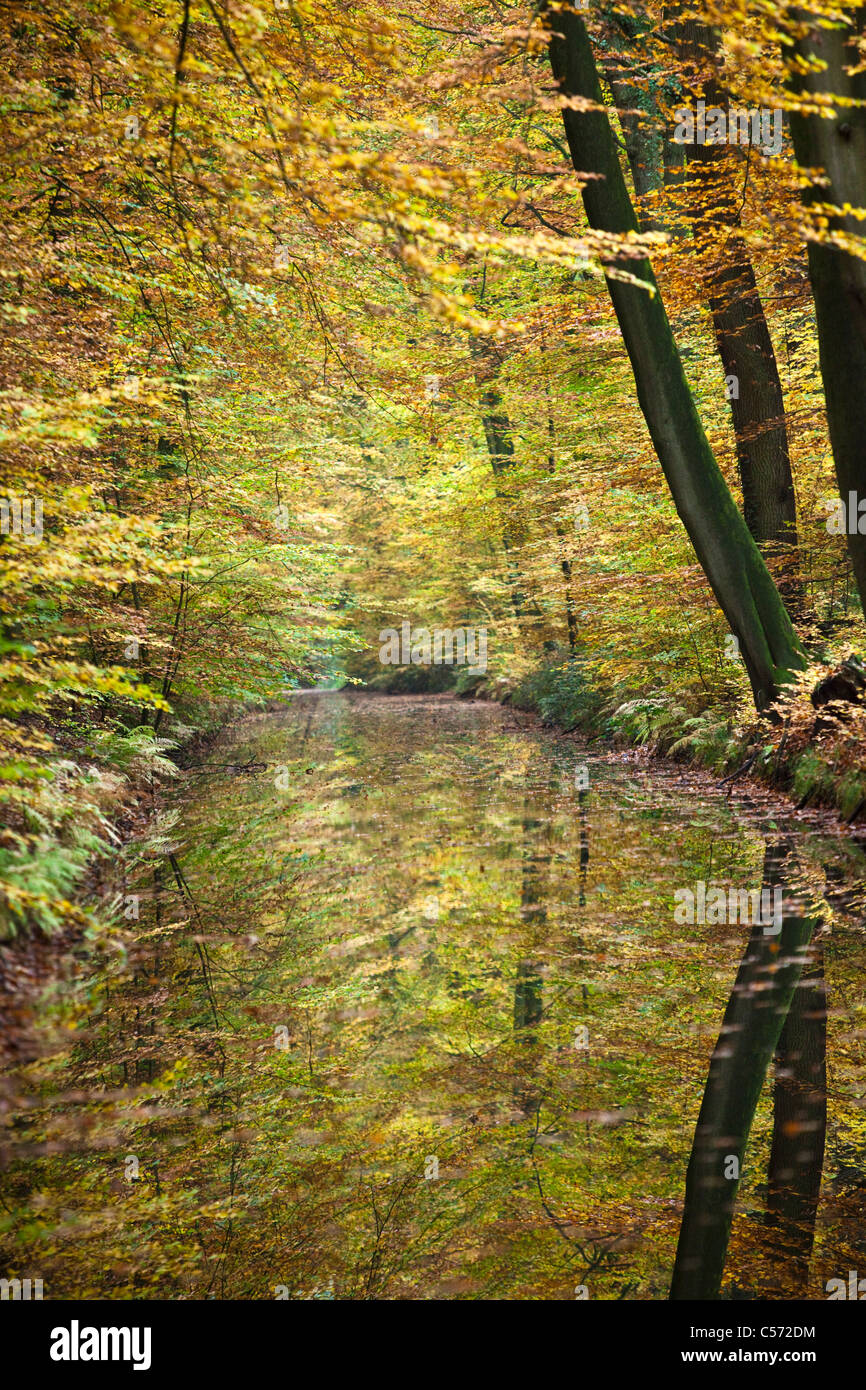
[[432, 663]]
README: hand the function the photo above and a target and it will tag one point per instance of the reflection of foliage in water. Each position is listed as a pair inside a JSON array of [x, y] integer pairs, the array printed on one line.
[[390, 962]]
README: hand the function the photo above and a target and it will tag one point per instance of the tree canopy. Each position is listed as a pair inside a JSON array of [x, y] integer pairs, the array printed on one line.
[[319, 319]]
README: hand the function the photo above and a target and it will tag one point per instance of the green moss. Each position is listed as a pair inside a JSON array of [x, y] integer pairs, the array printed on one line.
[[850, 792], [811, 776]]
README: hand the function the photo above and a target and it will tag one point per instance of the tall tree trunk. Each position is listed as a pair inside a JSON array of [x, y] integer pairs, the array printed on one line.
[[500, 446], [642, 132], [561, 531], [740, 324], [835, 145], [722, 541]]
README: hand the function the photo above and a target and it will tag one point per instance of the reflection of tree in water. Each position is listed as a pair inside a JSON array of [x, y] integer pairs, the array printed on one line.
[[589, 1256], [799, 1127], [776, 1006], [448, 1035], [537, 854], [583, 840], [535, 871]]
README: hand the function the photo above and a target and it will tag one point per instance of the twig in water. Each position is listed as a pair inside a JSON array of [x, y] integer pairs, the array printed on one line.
[[740, 770]]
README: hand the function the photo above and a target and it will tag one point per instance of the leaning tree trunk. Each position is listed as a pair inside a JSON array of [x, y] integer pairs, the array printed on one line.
[[724, 546], [835, 145]]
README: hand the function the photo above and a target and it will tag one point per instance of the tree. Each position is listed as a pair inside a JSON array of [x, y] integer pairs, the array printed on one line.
[[725, 548], [828, 126], [739, 322]]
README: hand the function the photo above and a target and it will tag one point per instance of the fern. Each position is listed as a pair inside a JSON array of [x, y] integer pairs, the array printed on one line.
[[140, 752], [647, 719]]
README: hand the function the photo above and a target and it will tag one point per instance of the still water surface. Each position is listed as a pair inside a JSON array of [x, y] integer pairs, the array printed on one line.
[[408, 1013]]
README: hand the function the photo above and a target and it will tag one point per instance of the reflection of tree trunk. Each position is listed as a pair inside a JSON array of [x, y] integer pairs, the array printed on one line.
[[756, 1012], [799, 1129], [527, 1001], [528, 1006], [533, 912], [583, 840]]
